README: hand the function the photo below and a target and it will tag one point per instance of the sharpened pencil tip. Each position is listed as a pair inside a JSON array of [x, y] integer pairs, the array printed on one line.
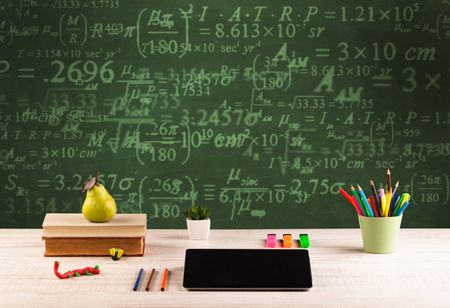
[[388, 171], [371, 182], [352, 188], [359, 187], [396, 184]]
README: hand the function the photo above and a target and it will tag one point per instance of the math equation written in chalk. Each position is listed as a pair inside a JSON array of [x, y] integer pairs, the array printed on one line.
[[260, 111]]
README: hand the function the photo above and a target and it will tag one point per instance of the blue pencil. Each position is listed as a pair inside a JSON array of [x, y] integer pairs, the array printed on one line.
[[398, 204], [402, 209], [138, 280], [394, 200], [366, 203]]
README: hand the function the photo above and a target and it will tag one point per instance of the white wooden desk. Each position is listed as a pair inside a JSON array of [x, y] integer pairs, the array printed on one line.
[[418, 274]]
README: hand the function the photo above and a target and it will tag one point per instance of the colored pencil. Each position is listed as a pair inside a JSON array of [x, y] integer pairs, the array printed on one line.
[[355, 202], [395, 187], [405, 199], [402, 209], [391, 203], [164, 280], [349, 199], [147, 288], [358, 200], [388, 201], [375, 196], [394, 201], [373, 206], [383, 202], [388, 179], [399, 203], [138, 280], [364, 200]]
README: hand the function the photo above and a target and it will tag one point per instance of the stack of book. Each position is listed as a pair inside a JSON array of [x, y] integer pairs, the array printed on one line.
[[73, 235]]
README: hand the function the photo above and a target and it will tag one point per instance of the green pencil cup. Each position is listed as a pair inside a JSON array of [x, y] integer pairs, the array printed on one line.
[[379, 234]]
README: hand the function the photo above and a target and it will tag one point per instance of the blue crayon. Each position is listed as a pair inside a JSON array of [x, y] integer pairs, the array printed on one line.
[[138, 280]]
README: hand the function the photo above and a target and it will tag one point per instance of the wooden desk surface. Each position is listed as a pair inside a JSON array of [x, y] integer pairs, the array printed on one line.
[[418, 274]]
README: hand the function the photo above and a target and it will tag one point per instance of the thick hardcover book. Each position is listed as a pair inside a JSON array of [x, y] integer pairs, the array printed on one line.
[[73, 235], [89, 246]]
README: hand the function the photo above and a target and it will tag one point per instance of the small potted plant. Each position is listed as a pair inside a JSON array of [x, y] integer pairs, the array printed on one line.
[[198, 222]]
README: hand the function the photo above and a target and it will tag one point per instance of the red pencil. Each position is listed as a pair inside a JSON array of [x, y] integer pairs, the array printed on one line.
[[374, 207], [349, 199]]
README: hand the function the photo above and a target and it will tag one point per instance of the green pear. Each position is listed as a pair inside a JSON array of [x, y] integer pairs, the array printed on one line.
[[99, 205]]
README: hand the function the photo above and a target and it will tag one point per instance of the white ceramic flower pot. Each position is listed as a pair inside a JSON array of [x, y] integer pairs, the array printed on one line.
[[198, 229]]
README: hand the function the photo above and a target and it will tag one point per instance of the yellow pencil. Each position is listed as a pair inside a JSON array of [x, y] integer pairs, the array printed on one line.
[[383, 202], [388, 201], [406, 198]]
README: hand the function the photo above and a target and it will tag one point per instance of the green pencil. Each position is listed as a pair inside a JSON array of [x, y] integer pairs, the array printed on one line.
[[365, 201], [358, 199]]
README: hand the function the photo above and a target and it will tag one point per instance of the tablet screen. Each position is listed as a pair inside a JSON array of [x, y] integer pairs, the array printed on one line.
[[264, 269]]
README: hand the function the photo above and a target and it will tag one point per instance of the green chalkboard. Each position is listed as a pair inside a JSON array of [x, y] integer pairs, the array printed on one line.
[[259, 110]]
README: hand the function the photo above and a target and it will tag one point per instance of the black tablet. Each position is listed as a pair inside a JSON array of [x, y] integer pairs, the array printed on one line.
[[247, 269]]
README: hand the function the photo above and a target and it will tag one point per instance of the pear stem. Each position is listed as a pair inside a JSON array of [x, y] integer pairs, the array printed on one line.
[[88, 184], [96, 177]]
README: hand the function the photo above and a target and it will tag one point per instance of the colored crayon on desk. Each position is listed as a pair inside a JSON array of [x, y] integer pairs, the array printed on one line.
[[147, 288], [364, 200], [138, 280], [164, 280]]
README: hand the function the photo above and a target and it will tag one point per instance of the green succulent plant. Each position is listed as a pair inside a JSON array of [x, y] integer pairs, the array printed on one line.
[[197, 213]]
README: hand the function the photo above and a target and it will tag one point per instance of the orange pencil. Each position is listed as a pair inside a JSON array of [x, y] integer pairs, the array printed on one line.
[[373, 205], [164, 280]]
